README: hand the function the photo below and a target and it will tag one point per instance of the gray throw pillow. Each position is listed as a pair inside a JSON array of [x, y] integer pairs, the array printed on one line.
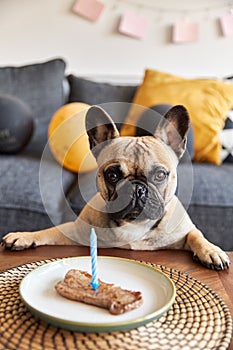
[[40, 86], [114, 99], [92, 93]]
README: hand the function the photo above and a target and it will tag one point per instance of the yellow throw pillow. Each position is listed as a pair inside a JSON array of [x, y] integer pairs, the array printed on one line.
[[207, 101]]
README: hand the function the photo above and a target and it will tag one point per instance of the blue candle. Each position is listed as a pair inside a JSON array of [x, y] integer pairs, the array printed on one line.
[[93, 246]]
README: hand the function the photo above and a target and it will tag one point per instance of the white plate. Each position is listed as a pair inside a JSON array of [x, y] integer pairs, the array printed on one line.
[[38, 293]]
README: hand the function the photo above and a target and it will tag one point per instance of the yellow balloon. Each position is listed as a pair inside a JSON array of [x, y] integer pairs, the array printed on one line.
[[68, 139]]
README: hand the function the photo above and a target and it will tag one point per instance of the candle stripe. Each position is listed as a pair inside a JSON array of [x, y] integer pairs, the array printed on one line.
[[93, 247]]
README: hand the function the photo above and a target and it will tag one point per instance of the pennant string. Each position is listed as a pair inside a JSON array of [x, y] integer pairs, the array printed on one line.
[[206, 5]]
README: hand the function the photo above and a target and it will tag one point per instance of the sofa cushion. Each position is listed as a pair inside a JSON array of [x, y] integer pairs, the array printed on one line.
[[85, 187], [215, 223], [114, 99], [207, 184], [40, 86], [32, 193], [213, 185], [91, 92], [207, 193]]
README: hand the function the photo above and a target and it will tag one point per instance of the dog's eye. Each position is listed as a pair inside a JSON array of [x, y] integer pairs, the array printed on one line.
[[113, 175], [160, 174]]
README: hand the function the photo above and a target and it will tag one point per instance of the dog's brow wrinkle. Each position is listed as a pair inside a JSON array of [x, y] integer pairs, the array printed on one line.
[[142, 145], [142, 150], [129, 145]]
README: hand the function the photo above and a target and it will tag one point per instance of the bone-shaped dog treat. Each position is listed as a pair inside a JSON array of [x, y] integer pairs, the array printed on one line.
[[76, 286]]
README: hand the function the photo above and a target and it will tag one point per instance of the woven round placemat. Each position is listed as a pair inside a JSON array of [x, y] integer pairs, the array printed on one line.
[[199, 319]]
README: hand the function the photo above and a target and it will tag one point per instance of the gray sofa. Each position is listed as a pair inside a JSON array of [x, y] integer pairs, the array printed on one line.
[[35, 192]]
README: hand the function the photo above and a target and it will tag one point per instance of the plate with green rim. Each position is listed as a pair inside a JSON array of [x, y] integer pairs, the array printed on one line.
[[39, 295]]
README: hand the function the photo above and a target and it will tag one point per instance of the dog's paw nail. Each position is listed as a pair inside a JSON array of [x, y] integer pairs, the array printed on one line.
[[227, 264], [33, 245], [16, 247], [221, 266], [6, 245]]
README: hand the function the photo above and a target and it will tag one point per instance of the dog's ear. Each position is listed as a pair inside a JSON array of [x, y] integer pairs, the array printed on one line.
[[173, 129], [100, 128]]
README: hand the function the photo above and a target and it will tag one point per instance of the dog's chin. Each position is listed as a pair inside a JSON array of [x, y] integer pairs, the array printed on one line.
[[137, 214], [131, 216]]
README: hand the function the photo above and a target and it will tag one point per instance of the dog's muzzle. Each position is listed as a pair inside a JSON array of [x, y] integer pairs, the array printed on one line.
[[135, 200]]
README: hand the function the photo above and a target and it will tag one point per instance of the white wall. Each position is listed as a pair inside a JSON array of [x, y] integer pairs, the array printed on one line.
[[32, 31]]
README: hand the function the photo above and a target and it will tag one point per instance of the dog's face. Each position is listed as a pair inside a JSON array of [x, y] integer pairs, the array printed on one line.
[[137, 175]]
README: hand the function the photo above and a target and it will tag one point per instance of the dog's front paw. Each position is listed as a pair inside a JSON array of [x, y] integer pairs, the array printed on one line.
[[19, 240], [213, 257]]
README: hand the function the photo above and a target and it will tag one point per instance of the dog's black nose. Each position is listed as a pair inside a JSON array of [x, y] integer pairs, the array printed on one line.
[[140, 190]]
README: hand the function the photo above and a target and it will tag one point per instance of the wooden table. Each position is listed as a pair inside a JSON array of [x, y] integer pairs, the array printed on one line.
[[221, 282]]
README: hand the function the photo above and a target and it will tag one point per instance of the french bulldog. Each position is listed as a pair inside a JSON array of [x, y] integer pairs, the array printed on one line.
[[136, 206]]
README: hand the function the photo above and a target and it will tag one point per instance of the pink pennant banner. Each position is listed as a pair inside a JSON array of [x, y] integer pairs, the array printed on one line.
[[89, 9], [226, 22], [133, 25], [185, 32]]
